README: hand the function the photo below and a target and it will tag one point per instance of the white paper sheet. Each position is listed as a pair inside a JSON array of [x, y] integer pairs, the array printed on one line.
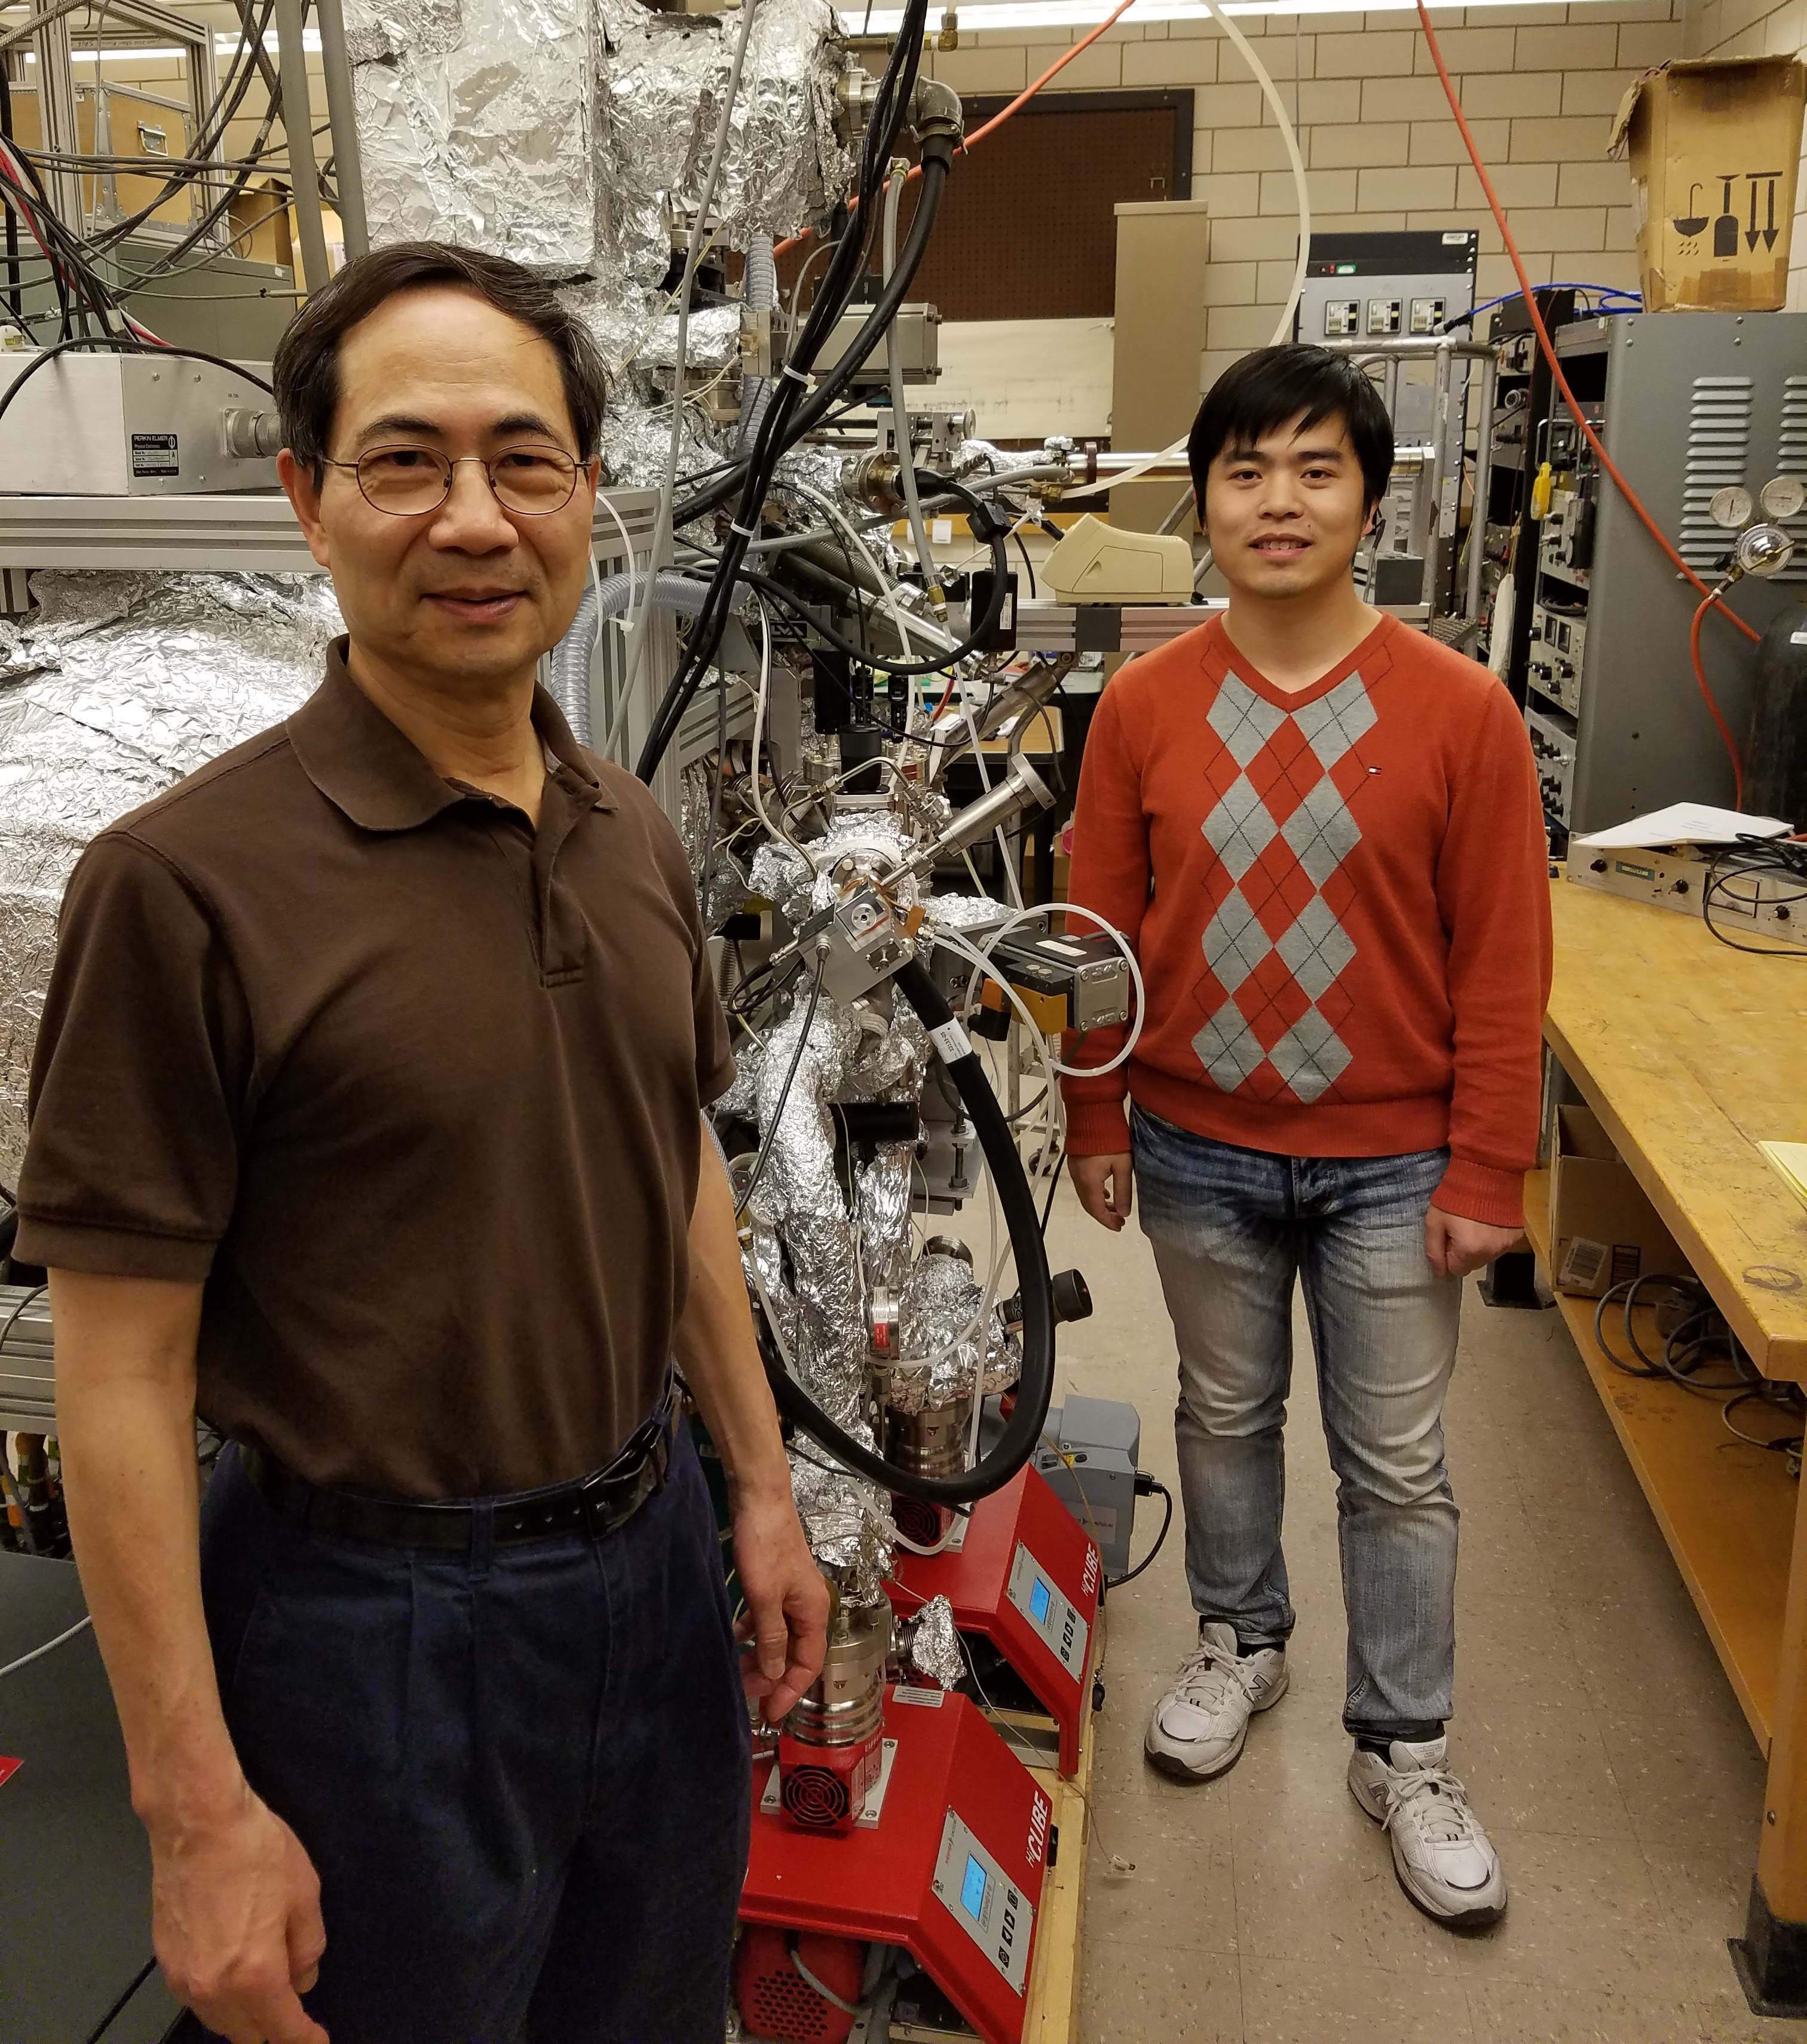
[[1685, 823]]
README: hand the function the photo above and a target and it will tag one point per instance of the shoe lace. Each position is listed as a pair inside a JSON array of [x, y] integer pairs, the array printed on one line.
[[1434, 1801], [1208, 1678]]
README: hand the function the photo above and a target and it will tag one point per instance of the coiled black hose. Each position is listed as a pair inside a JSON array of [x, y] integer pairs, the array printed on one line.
[[1035, 1387]]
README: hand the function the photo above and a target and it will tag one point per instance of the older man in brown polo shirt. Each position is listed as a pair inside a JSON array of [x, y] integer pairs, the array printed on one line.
[[366, 1123]]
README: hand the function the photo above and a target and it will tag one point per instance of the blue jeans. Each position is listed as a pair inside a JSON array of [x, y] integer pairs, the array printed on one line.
[[1232, 1230], [521, 1772]]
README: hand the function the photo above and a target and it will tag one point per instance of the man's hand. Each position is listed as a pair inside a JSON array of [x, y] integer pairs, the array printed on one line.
[[1456, 1247], [235, 1923], [1106, 1186], [786, 1617]]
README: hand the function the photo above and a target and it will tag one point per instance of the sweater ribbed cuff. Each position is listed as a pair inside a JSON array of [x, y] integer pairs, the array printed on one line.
[[1097, 1128], [1477, 1192]]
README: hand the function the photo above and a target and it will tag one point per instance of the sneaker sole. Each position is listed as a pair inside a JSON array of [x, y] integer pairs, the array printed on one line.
[[1176, 1769]]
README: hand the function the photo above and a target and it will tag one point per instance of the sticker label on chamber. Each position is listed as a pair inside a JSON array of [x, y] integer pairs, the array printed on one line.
[[155, 454], [952, 1041]]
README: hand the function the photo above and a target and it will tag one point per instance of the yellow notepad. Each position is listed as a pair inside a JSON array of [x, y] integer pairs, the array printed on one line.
[[1790, 1161]]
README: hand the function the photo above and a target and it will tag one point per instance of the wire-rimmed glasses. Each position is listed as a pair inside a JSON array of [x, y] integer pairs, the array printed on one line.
[[534, 480]]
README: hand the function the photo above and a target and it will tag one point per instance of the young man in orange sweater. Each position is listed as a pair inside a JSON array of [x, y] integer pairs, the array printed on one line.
[[1322, 831]]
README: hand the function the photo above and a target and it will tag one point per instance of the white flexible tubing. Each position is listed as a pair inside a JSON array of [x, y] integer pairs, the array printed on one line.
[[1283, 329], [1123, 943], [668, 486]]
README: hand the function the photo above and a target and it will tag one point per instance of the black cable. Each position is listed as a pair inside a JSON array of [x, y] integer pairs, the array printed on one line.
[[1154, 1484], [1028, 566], [776, 432], [138, 1980], [1053, 1185], [1756, 859], [1035, 1384]]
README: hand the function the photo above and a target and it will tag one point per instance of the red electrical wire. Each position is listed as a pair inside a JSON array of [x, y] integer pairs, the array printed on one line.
[[1701, 609], [997, 120], [1593, 441]]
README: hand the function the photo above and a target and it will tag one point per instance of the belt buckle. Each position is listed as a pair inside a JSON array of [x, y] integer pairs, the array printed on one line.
[[601, 1496]]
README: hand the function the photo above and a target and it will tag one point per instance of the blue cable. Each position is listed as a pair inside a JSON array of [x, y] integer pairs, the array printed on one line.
[[1631, 300]]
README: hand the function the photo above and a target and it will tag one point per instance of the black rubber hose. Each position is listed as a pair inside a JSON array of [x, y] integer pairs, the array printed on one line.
[[1035, 1387]]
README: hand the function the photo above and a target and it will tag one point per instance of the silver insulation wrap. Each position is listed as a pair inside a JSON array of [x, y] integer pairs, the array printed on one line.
[[935, 1652], [939, 1343], [662, 79], [122, 685], [477, 119]]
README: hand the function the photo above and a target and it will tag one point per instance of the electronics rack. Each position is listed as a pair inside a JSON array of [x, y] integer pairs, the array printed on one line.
[[1686, 405]]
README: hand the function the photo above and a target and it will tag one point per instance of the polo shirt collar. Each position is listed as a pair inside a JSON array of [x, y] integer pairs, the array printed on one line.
[[373, 771]]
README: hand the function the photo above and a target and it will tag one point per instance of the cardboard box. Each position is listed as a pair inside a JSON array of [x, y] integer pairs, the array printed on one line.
[[1602, 1229], [1715, 146]]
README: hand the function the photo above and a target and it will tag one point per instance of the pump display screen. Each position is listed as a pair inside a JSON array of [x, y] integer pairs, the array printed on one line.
[[988, 1903], [972, 1889], [1052, 1614], [1038, 1602]]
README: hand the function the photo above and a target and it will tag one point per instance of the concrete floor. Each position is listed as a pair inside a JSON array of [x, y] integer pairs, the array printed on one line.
[[1597, 1733]]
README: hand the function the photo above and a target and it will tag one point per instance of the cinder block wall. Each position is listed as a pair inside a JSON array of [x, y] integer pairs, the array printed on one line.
[[1540, 86], [1757, 28]]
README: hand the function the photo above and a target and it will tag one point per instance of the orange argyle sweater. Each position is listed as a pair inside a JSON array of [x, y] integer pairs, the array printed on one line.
[[1339, 899]]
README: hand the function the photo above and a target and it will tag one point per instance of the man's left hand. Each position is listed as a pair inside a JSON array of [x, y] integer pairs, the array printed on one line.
[[786, 1617], [1456, 1246]]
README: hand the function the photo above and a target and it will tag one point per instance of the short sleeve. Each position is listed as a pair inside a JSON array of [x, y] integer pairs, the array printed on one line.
[[143, 1061]]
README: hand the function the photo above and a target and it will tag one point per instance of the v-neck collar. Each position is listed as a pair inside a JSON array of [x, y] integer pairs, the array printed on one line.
[[1222, 658]]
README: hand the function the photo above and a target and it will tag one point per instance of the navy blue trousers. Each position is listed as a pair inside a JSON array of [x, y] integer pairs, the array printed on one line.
[[521, 1774]]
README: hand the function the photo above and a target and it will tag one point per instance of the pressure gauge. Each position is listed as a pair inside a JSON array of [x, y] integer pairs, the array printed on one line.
[[1783, 497], [1732, 507], [1764, 550]]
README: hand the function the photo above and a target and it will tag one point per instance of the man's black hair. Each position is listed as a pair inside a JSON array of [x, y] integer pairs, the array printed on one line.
[[1271, 387], [306, 368]]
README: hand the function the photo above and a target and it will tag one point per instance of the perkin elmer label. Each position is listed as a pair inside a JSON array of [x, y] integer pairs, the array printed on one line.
[[155, 454]]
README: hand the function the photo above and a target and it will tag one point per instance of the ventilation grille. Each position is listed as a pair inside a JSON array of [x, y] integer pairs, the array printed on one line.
[[917, 1521], [814, 1797], [1791, 459], [1719, 452]]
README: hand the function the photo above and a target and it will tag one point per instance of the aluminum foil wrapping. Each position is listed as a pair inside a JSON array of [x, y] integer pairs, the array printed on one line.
[[476, 120], [940, 1299], [726, 887], [799, 1195], [662, 78], [120, 685], [884, 1187], [962, 912], [845, 1520], [782, 875], [712, 339], [636, 441], [935, 1652]]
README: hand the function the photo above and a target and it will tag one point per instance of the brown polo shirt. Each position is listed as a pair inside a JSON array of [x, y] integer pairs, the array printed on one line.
[[414, 1086]]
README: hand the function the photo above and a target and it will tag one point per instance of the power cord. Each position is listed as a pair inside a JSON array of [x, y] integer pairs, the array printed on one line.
[[1753, 859], [1147, 1486]]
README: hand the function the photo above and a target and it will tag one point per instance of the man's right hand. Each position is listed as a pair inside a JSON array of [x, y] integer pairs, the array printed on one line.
[[1106, 1188], [235, 1923]]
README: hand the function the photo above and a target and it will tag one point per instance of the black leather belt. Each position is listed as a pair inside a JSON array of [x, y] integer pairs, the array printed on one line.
[[597, 1504]]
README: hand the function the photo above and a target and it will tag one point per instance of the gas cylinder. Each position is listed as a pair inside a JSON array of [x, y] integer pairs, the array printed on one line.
[[1775, 754]]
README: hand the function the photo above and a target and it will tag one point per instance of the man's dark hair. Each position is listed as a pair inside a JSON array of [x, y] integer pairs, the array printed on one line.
[[1270, 388], [306, 368]]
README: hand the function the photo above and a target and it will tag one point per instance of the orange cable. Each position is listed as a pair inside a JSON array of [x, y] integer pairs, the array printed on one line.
[[1700, 611], [997, 120], [1593, 441]]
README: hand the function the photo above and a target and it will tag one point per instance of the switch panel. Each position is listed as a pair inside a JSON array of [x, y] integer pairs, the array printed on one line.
[[1427, 315], [1342, 319], [1384, 315]]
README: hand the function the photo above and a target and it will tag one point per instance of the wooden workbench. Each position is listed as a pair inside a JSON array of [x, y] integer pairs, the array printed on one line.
[[1690, 1054]]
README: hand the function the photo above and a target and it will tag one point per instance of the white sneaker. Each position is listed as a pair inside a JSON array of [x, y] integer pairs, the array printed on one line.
[[1198, 1727], [1445, 1861]]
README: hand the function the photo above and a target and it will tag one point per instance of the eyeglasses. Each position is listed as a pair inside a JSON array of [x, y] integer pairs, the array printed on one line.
[[405, 481]]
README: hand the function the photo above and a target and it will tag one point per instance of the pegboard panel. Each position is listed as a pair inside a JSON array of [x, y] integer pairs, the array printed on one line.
[[1028, 229]]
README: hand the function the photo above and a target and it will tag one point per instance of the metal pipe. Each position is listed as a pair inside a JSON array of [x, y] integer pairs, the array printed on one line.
[[1440, 439], [342, 114], [297, 126], [1483, 478]]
